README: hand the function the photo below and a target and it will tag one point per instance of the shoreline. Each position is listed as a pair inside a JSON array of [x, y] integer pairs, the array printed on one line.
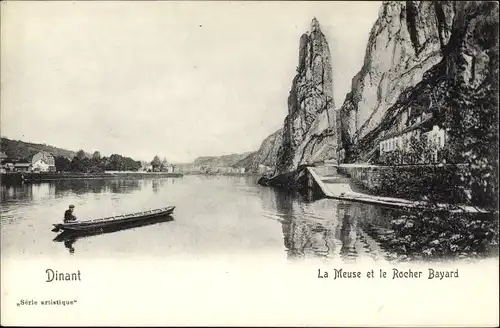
[[19, 177], [40, 177], [341, 187]]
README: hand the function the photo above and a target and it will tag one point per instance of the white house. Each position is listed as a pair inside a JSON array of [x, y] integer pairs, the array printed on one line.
[[41, 166], [398, 141], [436, 138], [43, 162]]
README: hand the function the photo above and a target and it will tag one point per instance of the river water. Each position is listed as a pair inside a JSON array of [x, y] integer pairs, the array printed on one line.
[[219, 215]]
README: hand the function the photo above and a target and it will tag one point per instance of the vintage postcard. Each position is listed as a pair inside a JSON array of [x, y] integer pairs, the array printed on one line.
[[249, 163]]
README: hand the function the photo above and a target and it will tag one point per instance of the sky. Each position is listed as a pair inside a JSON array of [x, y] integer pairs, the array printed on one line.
[[177, 79]]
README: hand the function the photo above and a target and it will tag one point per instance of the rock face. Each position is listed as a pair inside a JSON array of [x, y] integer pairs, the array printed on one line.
[[472, 54], [407, 40], [437, 58], [458, 88], [265, 156], [309, 130], [268, 152], [460, 93]]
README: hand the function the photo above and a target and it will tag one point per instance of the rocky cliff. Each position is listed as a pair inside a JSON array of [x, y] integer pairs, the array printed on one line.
[[461, 93], [438, 58], [266, 155], [309, 130], [407, 40], [465, 77]]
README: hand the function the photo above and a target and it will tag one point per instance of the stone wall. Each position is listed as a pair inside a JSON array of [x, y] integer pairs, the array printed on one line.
[[416, 182]]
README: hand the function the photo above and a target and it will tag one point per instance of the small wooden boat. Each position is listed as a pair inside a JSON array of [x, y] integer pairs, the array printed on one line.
[[69, 237], [98, 224]]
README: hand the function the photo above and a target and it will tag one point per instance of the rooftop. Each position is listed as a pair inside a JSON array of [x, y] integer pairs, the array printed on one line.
[[22, 164]]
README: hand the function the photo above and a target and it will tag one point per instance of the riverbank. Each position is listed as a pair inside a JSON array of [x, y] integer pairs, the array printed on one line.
[[338, 187], [223, 174], [333, 182], [35, 177]]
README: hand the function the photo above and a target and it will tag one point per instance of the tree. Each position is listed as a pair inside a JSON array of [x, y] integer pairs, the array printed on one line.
[[62, 163], [472, 122], [156, 163], [164, 164], [120, 163], [80, 164], [96, 155], [80, 154]]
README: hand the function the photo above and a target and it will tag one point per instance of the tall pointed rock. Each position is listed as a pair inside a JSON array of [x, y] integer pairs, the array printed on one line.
[[309, 129]]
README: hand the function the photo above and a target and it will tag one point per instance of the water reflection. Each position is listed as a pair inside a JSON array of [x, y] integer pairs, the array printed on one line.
[[55, 189], [218, 213], [327, 228], [123, 186], [78, 187], [69, 238], [96, 186], [158, 184], [16, 192], [305, 233], [346, 232]]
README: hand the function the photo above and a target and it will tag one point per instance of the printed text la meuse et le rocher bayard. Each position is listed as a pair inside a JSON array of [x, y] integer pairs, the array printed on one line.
[[53, 275], [394, 274]]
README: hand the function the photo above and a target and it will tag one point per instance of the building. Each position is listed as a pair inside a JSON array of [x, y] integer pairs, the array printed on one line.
[[436, 140], [43, 162], [423, 130], [3, 158], [41, 166], [22, 167], [8, 166], [170, 168]]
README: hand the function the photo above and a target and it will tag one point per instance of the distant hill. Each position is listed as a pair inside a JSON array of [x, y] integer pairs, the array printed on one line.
[[247, 161], [25, 150], [22, 150], [220, 161]]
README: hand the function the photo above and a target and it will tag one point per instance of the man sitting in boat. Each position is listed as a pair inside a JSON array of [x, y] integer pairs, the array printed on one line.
[[68, 215]]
